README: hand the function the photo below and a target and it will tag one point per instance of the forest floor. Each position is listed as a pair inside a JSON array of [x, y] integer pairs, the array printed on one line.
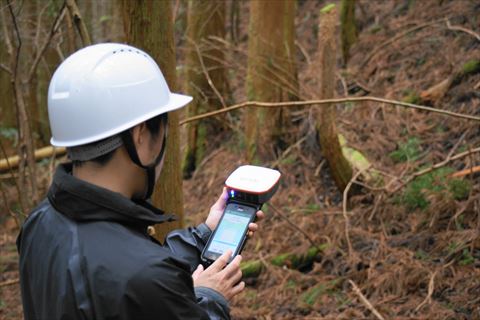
[[405, 251]]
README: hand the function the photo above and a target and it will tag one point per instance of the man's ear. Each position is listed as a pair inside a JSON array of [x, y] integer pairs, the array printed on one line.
[[138, 133]]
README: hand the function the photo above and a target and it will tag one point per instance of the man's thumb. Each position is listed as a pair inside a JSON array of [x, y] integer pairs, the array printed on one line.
[[197, 271]]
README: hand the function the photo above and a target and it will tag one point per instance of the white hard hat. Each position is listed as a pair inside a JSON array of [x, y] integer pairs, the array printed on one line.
[[104, 89]]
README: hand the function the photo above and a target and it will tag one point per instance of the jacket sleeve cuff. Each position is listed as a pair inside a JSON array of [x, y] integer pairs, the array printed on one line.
[[213, 303], [204, 232]]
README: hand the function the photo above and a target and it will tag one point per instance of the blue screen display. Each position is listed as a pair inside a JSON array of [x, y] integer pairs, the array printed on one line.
[[230, 231]]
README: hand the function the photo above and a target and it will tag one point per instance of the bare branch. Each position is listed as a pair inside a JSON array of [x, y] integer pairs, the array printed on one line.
[[365, 301], [79, 23], [205, 72], [8, 42], [53, 31], [398, 36], [5, 68], [328, 101], [19, 39]]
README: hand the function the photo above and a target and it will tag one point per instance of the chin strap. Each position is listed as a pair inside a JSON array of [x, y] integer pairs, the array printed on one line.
[[149, 169]]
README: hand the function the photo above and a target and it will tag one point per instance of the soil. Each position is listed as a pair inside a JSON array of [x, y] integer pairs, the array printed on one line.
[[413, 251]]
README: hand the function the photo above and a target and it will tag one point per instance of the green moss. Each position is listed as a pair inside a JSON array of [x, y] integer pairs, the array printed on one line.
[[329, 7], [295, 261], [411, 97], [319, 290], [466, 258], [470, 67], [251, 269], [416, 192], [459, 188], [407, 151]]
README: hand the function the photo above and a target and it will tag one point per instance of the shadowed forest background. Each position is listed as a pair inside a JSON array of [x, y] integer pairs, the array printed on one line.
[[370, 109]]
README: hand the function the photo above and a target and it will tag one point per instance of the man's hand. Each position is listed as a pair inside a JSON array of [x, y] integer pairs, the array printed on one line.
[[225, 280], [216, 213]]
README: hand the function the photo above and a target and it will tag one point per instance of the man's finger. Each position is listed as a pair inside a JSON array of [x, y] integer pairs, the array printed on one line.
[[232, 268], [222, 261], [253, 227], [260, 215], [238, 288]]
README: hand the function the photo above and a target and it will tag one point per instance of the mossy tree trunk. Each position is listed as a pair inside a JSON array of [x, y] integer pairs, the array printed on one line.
[[348, 27], [326, 123], [149, 26], [271, 76], [205, 19]]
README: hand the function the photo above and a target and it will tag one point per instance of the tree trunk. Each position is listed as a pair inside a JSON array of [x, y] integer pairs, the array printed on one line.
[[271, 76], [348, 27], [149, 26], [327, 130], [205, 78]]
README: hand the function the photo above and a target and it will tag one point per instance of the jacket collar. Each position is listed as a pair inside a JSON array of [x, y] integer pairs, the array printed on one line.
[[82, 201]]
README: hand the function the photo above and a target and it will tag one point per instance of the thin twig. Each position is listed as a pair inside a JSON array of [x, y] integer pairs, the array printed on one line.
[[365, 301], [434, 167], [457, 28], [392, 40], [327, 101], [205, 72], [287, 151], [53, 31], [344, 206], [20, 198], [5, 68], [312, 242], [431, 287], [9, 282]]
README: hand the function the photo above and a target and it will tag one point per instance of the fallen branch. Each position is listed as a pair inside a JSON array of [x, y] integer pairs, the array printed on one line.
[[457, 28], [12, 162], [434, 167], [9, 282], [326, 102], [365, 301], [253, 268], [465, 172]]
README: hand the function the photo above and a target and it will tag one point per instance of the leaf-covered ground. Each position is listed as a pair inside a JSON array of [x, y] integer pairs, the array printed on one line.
[[412, 250]]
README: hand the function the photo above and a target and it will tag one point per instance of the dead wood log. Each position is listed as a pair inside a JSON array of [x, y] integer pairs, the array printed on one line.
[[12, 162], [253, 268]]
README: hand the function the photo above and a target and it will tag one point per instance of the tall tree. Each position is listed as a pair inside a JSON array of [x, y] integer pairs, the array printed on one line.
[[348, 27], [205, 77], [149, 25], [327, 129], [271, 75]]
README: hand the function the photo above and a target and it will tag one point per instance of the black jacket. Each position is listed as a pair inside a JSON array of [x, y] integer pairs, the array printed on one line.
[[85, 254]]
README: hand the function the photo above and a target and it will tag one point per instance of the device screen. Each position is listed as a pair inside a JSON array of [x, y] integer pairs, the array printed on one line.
[[230, 231]]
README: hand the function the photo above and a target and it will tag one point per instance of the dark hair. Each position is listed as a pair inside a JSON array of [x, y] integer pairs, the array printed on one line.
[[153, 126]]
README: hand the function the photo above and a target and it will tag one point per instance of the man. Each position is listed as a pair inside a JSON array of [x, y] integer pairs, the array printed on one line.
[[84, 251]]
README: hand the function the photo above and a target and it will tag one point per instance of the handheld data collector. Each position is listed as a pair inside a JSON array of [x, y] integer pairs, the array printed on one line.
[[248, 187]]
